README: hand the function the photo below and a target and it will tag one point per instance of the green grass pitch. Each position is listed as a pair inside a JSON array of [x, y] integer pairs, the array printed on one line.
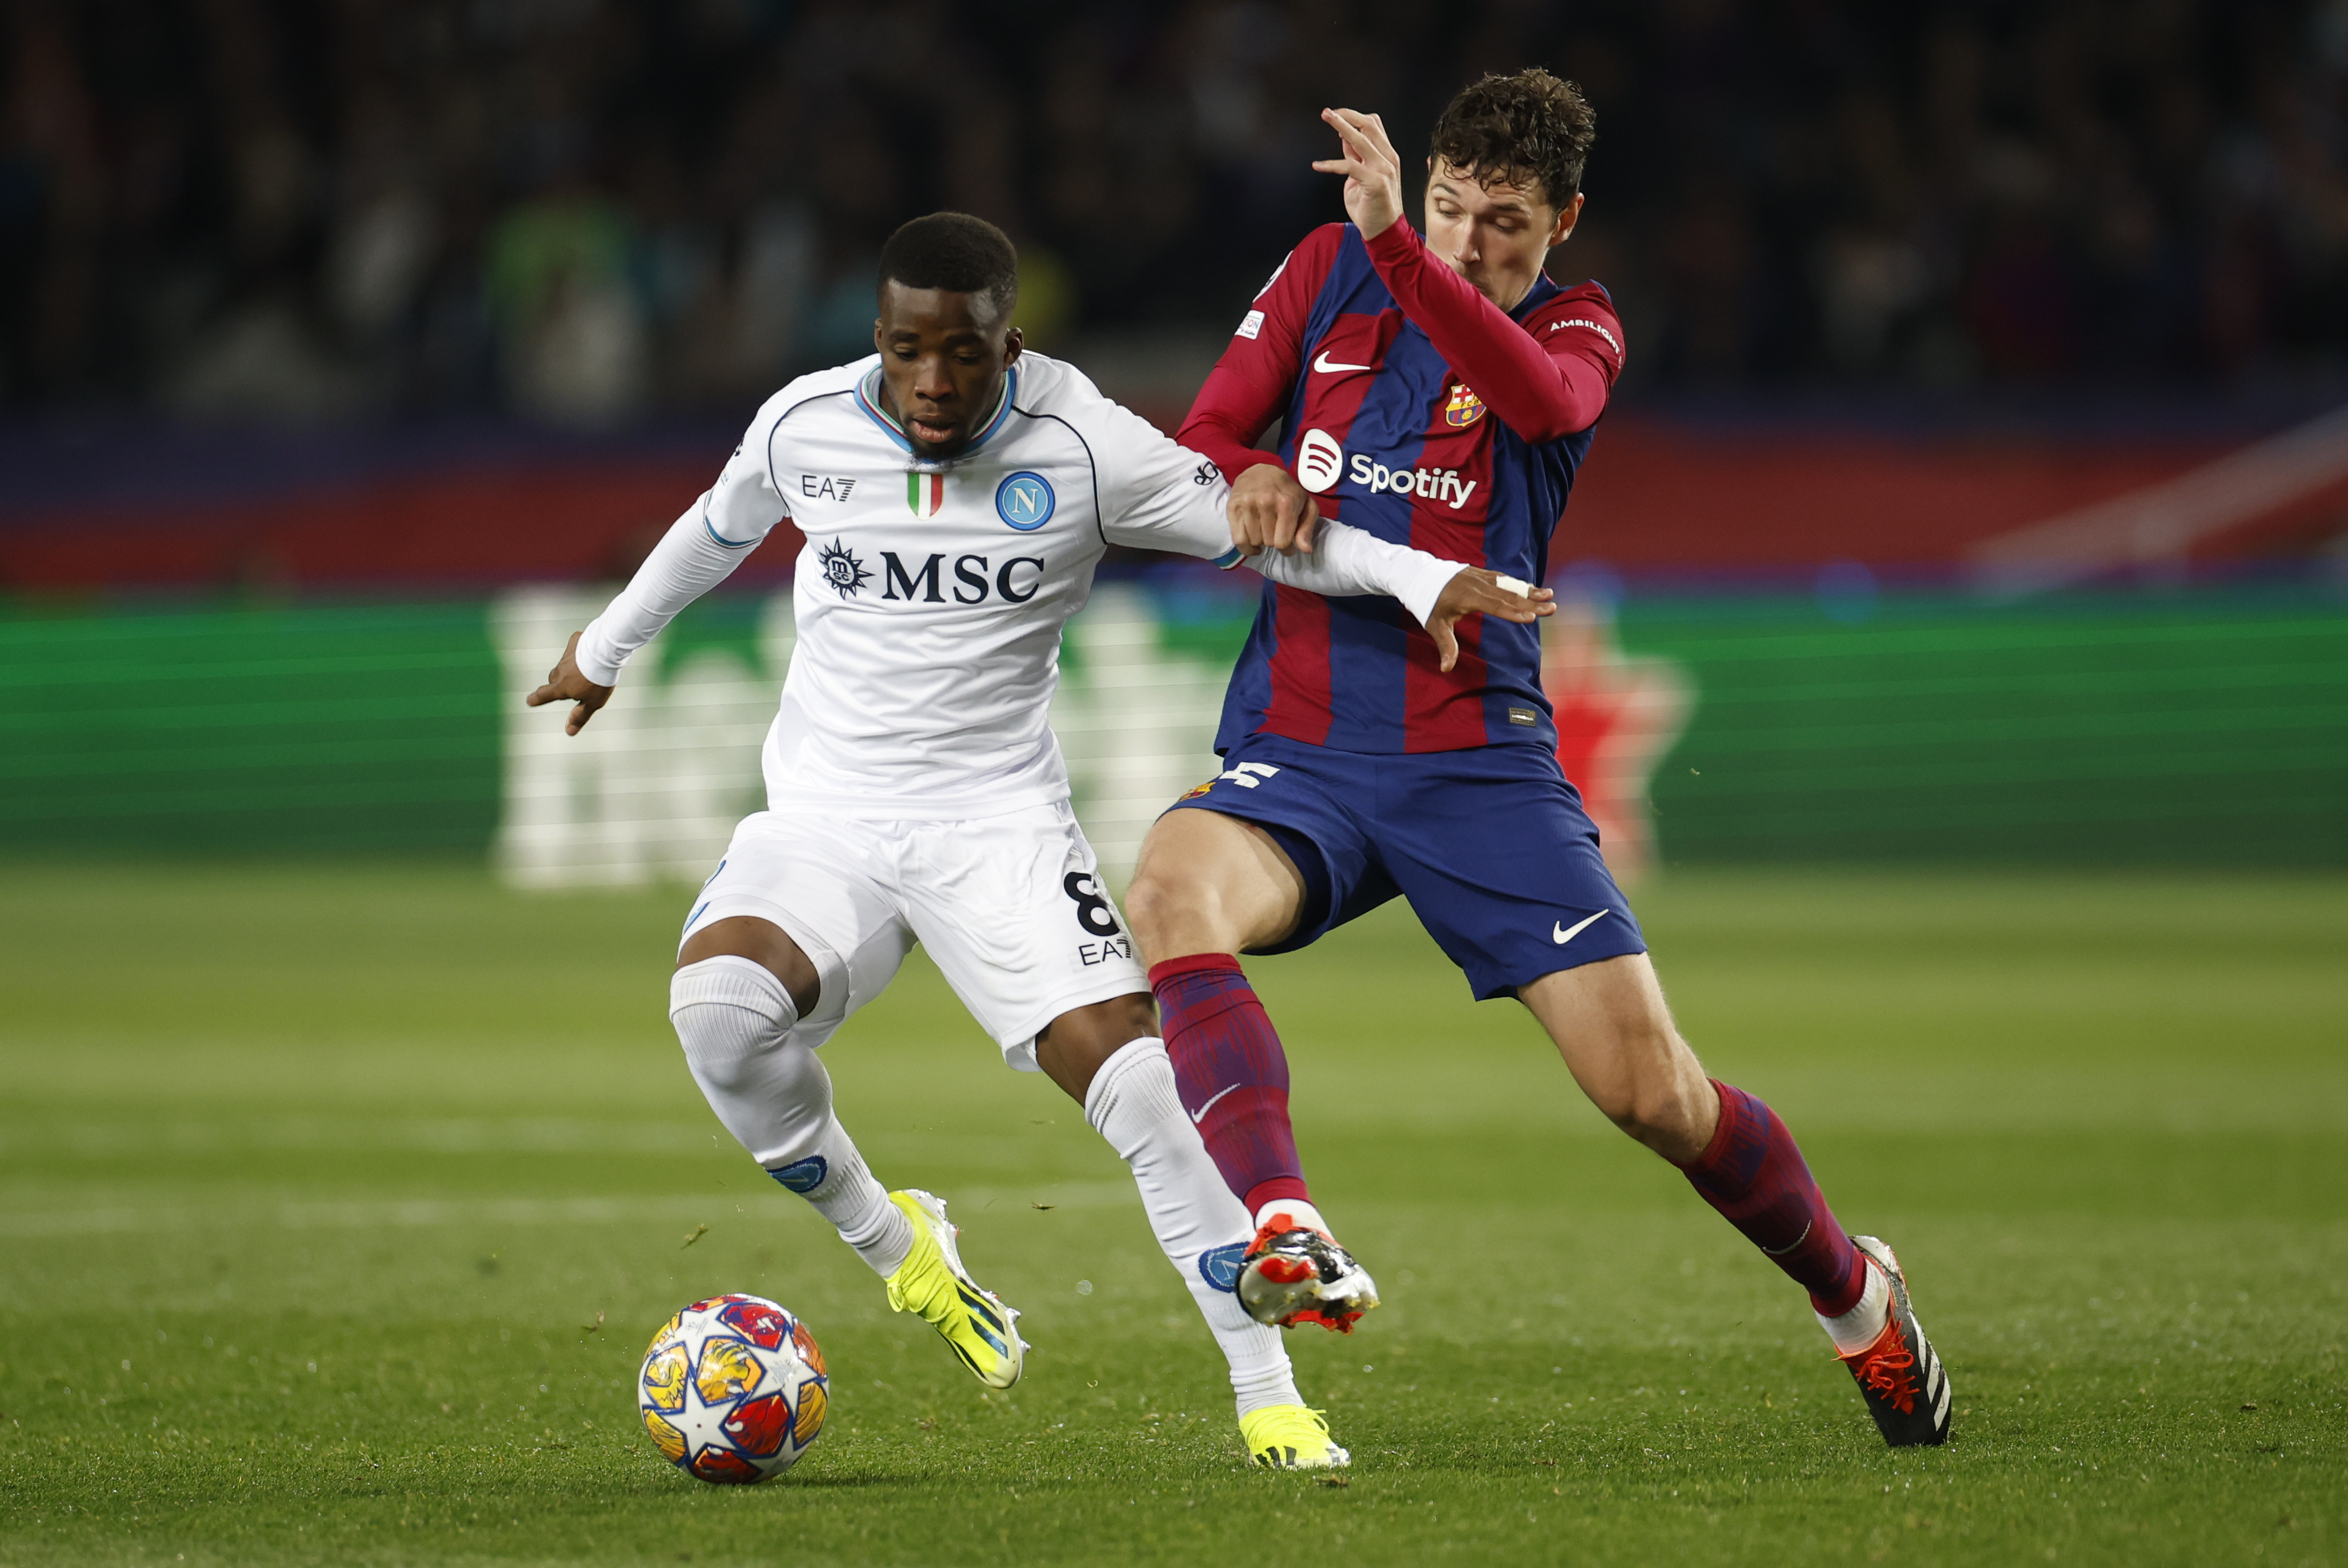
[[337, 1203]]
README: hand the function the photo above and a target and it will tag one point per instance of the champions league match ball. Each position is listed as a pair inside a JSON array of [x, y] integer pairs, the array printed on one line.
[[732, 1389]]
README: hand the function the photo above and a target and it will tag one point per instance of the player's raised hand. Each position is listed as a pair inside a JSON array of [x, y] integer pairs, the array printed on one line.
[[1271, 511], [565, 681], [1372, 169], [1474, 591]]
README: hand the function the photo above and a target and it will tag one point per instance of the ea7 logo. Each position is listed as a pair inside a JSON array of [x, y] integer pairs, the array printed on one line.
[[824, 487], [1248, 775]]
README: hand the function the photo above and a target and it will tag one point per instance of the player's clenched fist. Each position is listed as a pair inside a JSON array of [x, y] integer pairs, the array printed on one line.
[[1474, 591], [1271, 511], [565, 681]]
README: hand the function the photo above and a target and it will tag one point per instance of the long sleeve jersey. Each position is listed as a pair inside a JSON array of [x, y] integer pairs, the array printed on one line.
[[1420, 411], [929, 596]]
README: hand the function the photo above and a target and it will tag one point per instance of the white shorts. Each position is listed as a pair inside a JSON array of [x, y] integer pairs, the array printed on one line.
[[1010, 907]]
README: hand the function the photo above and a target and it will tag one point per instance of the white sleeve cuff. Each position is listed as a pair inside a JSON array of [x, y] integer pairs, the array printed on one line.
[[1422, 581], [1348, 560], [596, 658]]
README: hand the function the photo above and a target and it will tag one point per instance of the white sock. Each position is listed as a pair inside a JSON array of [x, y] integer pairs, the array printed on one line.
[[1858, 1328], [848, 1195], [1297, 1210], [1202, 1229], [733, 1019]]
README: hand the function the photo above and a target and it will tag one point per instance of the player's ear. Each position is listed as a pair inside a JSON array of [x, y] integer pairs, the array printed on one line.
[[1014, 343], [1567, 216]]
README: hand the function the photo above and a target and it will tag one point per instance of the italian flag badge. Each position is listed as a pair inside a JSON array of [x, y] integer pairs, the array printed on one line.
[[925, 493]]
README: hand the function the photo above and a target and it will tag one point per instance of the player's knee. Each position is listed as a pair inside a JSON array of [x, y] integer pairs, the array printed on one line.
[[1647, 1097], [730, 1015], [1652, 1111], [722, 1044], [1161, 904]]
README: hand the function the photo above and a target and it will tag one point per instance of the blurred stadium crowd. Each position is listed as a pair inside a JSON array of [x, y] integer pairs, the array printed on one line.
[[587, 209]]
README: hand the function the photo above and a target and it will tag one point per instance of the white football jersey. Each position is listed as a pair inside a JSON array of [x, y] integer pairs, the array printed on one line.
[[930, 596]]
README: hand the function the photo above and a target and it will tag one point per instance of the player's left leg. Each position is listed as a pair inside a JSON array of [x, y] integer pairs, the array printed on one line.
[[1015, 918], [1501, 864], [1616, 1034], [1108, 1058], [1208, 887], [1264, 858]]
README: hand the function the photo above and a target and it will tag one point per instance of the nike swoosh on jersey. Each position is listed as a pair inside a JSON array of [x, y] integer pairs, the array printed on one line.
[[1320, 362], [1199, 1115], [1560, 933]]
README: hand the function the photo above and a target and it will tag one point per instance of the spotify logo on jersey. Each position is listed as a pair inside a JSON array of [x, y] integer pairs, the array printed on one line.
[[1318, 461]]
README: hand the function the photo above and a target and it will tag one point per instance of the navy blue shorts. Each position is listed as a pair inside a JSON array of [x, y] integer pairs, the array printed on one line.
[[1491, 846]]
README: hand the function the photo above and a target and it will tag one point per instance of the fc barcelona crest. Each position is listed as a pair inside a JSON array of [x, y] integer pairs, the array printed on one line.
[[1464, 409]]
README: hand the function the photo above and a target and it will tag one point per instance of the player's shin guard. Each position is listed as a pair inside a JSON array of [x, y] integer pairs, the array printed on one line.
[[734, 1016], [1233, 1074], [1198, 1224], [1756, 1176]]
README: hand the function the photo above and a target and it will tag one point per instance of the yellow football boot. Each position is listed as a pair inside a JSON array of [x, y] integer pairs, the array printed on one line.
[[1290, 1437], [932, 1283]]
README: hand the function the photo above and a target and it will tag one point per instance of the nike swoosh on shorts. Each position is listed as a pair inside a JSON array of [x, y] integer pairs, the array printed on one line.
[[1320, 362], [1199, 1115], [1562, 934]]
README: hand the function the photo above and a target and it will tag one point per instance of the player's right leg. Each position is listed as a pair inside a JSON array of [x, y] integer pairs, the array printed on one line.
[[1108, 1058], [1212, 884], [1012, 911], [760, 983]]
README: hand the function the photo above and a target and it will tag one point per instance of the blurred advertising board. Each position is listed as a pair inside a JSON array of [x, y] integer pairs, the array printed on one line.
[[2187, 727]]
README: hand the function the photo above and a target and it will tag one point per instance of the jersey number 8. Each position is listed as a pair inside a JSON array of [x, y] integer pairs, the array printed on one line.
[[1093, 912]]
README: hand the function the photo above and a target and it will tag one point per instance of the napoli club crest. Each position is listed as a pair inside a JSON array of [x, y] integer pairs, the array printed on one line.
[[1219, 1266], [1025, 501], [841, 567]]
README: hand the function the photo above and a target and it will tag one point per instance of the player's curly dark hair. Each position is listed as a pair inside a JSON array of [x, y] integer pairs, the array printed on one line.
[[1525, 128], [957, 253]]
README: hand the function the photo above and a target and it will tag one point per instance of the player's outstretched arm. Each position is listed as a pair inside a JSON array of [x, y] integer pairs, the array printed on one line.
[[565, 682], [1437, 592], [699, 551], [689, 562], [1159, 496]]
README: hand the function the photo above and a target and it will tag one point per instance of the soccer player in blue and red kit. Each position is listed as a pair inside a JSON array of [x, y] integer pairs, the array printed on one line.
[[1441, 392]]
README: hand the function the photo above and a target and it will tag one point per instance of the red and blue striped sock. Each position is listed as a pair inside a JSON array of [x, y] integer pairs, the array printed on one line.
[[1756, 1176], [1233, 1074]]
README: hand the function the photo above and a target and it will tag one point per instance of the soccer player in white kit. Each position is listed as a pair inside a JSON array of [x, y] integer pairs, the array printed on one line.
[[955, 495]]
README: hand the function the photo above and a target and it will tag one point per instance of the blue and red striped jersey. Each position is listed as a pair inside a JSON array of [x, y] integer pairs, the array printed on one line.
[[1418, 410]]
